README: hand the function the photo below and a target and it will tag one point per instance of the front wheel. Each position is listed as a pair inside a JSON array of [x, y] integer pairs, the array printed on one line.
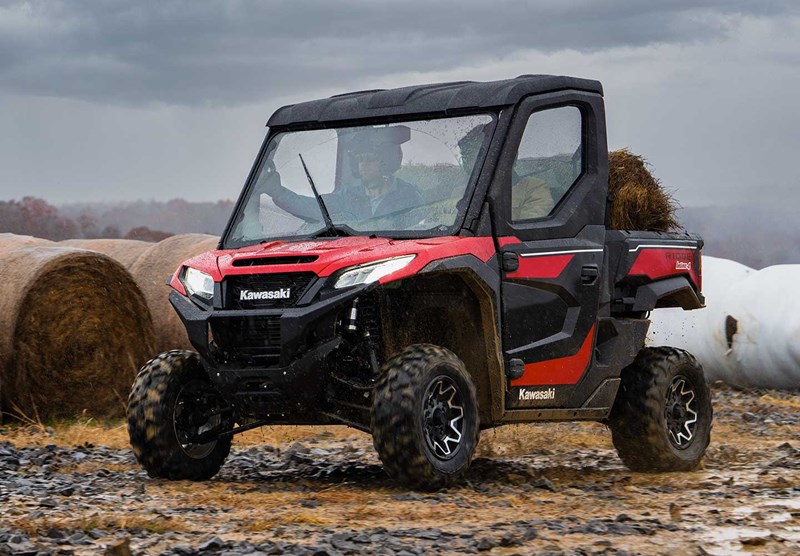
[[661, 419], [171, 406], [425, 422]]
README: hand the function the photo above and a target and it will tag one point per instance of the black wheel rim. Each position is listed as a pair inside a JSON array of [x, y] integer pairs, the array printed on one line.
[[198, 410], [443, 417], [680, 412]]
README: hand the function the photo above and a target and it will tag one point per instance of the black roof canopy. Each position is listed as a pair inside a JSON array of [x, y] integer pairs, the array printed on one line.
[[425, 99]]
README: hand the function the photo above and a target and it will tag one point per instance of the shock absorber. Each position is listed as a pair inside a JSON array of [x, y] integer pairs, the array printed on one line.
[[365, 330], [352, 319]]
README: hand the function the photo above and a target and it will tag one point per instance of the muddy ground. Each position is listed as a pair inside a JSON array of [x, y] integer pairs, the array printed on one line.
[[543, 489]]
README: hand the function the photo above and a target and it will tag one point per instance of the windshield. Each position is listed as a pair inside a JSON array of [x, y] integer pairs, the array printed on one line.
[[408, 179]]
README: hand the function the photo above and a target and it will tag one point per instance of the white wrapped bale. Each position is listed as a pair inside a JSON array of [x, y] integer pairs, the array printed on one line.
[[763, 319], [702, 332], [748, 334]]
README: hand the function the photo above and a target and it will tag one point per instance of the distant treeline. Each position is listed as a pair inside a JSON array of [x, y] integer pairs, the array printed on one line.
[[177, 216], [755, 236], [144, 220]]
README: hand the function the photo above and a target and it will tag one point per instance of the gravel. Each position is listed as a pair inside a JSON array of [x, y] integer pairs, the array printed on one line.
[[323, 494]]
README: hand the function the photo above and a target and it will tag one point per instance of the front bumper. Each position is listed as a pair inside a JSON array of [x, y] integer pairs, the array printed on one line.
[[268, 363]]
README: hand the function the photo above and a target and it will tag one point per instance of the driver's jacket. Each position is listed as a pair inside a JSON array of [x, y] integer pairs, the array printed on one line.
[[349, 202]]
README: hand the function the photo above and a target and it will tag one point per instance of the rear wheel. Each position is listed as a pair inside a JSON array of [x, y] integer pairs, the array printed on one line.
[[661, 419], [171, 406], [425, 422]]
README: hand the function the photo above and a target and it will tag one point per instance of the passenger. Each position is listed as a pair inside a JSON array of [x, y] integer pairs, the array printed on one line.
[[530, 196]]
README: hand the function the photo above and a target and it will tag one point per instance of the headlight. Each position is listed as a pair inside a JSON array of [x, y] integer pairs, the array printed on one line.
[[371, 272], [198, 283]]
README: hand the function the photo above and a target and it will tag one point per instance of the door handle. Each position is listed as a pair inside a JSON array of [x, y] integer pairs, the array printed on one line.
[[589, 274], [510, 261]]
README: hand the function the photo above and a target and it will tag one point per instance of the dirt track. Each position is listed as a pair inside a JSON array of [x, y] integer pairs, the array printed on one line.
[[556, 489]]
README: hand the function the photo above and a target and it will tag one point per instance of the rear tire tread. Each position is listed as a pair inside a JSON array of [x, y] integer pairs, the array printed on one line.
[[637, 418]]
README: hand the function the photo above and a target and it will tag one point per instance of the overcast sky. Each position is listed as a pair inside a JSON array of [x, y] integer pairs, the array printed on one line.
[[112, 100]]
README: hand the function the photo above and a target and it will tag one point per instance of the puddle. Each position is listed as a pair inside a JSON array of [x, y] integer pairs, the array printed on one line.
[[788, 503], [779, 526], [726, 540], [779, 517]]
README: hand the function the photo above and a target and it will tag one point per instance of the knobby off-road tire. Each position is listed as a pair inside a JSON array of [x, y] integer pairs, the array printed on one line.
[[162, 406], [425, 422], [661, 419]]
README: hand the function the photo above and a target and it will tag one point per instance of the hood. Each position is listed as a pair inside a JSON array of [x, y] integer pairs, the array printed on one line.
[[326, 256]]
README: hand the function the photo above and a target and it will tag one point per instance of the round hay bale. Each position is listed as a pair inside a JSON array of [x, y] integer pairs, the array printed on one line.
[[74, 330], [638, 200], [152, 270], [124, 251], [11, 242]]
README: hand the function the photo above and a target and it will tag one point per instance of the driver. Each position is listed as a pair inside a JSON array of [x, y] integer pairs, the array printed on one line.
[[377, 191]]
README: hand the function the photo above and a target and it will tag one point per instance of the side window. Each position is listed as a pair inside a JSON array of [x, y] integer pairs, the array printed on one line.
[[548, 162]]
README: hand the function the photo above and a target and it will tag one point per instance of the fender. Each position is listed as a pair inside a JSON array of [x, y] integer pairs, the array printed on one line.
[[670, 292]]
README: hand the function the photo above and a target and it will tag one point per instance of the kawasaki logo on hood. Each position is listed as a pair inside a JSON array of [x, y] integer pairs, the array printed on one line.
[[247, 295]]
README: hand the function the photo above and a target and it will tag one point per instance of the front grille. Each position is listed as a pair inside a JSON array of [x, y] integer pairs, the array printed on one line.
[[251, 338], [266, 291]]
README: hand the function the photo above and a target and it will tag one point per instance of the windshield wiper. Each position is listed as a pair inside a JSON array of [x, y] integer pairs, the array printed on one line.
[[329, 225]]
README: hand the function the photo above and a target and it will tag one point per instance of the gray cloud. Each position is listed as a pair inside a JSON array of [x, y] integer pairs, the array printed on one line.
[[186, 52], [119, 101]]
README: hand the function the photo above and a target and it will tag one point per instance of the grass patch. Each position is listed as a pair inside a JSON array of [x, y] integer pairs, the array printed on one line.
[[73, 432], [301, 518], [111, 522]]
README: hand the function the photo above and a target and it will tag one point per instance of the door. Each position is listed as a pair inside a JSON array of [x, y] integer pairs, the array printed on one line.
[[550, 210]]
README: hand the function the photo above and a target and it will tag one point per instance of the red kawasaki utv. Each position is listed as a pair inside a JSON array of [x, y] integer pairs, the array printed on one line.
[[420, 264]]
